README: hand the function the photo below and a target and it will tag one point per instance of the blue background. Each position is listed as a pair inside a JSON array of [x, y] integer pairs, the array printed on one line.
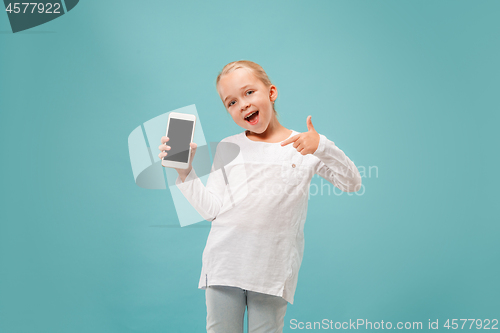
[[410, 87]]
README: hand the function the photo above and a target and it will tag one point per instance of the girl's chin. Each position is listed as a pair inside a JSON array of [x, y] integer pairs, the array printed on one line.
[[259, 127], [256, 129]]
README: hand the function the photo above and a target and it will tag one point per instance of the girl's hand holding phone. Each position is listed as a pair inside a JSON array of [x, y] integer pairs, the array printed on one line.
[[164, 148], [307, 142]]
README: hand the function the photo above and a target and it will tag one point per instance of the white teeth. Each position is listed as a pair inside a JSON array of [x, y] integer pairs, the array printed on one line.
[[250, 114]]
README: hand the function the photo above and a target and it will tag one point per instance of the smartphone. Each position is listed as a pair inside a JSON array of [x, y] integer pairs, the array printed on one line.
[[180, 131]]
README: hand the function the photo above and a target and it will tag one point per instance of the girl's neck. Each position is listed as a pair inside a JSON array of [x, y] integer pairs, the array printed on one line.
[[275, 132]]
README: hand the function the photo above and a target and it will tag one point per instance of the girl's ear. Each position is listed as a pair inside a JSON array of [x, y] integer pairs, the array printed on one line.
[[273, 93]]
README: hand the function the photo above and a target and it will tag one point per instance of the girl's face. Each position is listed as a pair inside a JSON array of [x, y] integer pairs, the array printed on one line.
[[243, 94]]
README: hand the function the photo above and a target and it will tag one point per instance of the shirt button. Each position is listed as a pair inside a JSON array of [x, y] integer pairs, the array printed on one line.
[[293, 165]]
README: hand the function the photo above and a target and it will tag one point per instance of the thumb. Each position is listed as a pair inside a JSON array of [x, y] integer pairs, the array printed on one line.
[[310, 126], [193, 146]]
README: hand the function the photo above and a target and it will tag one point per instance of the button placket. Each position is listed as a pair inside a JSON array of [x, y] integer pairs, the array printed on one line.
[[291, 171]]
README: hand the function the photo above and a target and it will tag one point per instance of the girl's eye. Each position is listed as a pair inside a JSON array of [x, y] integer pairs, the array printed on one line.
[[250, 92], [231, 103]]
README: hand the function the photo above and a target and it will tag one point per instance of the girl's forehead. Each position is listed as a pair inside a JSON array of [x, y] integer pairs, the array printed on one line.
[[232, 82]]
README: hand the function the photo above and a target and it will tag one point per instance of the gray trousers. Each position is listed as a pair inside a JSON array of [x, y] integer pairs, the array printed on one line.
[[226, 310]]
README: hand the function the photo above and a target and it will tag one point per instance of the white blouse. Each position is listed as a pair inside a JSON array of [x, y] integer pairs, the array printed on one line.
[[256, 198]]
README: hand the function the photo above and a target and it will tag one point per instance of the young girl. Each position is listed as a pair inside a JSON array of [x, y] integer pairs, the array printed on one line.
[[257, 204]]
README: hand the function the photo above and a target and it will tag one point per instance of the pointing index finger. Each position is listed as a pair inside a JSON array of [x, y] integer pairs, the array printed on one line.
[[289, 140]]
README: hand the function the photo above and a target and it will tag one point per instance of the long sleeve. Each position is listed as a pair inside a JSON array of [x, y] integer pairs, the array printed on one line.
[[336, 167], [206, 200]]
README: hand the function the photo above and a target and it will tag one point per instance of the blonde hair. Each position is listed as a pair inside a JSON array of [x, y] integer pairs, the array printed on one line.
[[255, 68]]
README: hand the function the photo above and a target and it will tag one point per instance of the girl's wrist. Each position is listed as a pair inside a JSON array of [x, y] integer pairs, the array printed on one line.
[[183, 173]]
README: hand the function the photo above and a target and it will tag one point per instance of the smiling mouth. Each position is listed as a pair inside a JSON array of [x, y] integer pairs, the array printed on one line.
[[252, 118]]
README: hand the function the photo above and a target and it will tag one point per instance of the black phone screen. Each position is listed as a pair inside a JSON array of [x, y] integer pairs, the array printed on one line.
[[179, 137]]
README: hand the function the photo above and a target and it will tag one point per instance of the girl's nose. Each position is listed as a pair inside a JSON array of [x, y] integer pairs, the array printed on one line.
[[244, 105]]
